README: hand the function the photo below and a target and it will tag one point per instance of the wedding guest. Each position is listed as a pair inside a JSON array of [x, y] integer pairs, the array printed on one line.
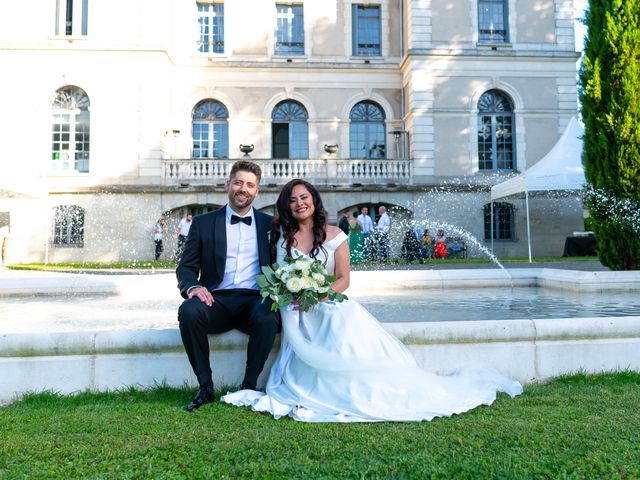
[[383, 227], [343, 224], [182, 232], [440, 249], [427, 243], [356, 241], [158, 234], [367, 228]]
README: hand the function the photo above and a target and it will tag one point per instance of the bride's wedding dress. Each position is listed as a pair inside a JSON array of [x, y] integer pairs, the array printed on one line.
[[338, 364]]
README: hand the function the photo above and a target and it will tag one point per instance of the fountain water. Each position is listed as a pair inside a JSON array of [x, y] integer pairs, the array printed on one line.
[[623, 212]]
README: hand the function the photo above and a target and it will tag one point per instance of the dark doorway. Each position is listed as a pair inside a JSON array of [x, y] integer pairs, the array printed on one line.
[[280, 132]]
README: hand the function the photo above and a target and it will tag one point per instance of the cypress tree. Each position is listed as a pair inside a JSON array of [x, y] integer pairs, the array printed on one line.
[[610, 106]]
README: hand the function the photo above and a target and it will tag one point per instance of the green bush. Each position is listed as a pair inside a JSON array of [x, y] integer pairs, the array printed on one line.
[[610, 100]]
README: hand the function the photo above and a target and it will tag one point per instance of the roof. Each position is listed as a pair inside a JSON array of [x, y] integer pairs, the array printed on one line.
[[560, 169]]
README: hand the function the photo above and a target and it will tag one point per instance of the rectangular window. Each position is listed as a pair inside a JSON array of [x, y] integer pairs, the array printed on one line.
[[503, 228], [504, 142], [220, 140], [366, 30], [485, 143], [298, 140], [60, 147], [72, 17], [82, 142], [492, 21], [200, 140], [210, 140], [289, 30], [211, 25]]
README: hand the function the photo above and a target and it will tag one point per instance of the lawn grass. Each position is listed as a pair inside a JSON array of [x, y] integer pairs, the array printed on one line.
[[84, 266], [580, 426], [165, 264]]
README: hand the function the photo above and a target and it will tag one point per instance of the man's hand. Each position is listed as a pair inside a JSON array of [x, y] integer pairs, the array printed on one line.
[[203, 294]]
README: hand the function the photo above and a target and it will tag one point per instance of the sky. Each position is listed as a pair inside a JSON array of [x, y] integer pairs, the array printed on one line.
[[579, 7]]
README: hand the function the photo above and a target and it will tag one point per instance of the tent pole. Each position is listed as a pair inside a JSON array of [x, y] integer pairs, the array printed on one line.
[[491, 206], [526, 200]]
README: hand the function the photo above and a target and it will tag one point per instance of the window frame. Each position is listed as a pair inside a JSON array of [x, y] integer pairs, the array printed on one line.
[[211, 16], [359, 22], [289, 34], [486, 32], [71, 127], [292, 117], [503, 222], [368, 122], [66, 11], [215, 126], [497, 107], [68, 226]]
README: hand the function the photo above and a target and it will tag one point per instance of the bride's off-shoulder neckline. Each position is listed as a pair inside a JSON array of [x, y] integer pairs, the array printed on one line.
[[340, 235]]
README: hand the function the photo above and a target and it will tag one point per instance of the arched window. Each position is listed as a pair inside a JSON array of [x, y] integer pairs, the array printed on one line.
[[210, 130], [289, 130], [367, 131], [68, 226], [70, 148], [496, 136], [503, 221]]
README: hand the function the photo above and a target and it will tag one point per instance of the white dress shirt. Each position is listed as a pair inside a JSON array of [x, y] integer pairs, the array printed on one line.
[[367, 223], [384, 222], [243, 262]]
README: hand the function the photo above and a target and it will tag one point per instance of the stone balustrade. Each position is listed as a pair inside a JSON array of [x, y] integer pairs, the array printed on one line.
[[280, 171]]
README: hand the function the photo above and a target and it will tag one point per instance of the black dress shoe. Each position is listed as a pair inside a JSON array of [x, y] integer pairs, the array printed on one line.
[[205, 395]]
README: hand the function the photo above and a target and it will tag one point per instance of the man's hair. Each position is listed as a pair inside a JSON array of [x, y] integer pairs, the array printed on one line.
[[245, 166]]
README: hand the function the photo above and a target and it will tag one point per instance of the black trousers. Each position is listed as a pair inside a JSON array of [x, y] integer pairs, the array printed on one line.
[[239, 309]]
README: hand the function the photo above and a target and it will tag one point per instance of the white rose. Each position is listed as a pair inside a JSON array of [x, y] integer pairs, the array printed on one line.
[[302, 264], [294, 284], [318, 277]]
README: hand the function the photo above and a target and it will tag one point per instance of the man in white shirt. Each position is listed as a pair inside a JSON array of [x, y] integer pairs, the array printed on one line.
[[365, 220], [182, 233], [217, 273], [383, 226], [367, 228]]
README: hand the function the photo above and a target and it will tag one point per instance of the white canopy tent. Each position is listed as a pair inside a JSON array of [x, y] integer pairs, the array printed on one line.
[[560, 169]]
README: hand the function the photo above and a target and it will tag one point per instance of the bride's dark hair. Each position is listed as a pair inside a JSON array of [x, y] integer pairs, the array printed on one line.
[[284, 221]]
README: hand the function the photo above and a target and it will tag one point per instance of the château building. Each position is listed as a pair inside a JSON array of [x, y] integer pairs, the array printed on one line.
[[118, 113]]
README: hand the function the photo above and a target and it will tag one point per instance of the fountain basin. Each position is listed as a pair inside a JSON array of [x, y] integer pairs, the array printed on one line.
[[529, 349]]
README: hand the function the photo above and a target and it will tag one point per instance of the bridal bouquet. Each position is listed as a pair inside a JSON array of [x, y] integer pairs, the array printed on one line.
[[301, 279]]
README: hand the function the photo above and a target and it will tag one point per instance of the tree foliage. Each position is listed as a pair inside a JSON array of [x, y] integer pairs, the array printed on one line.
[[610, 99]]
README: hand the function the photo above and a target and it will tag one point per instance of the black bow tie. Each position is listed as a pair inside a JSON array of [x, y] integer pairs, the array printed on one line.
[[235, 219]]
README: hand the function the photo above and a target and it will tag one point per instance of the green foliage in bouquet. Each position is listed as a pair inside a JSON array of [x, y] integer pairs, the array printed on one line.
[[300, 279]]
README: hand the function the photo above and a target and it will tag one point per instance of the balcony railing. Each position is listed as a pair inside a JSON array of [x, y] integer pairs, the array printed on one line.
[[196, 171]]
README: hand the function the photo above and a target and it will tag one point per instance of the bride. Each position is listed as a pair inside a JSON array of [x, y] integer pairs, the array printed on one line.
[[336, 362]]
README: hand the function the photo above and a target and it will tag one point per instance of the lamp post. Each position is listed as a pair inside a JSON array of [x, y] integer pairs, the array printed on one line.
[[397, 134]]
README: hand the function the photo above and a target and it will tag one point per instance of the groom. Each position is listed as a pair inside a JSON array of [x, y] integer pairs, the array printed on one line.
[[224, 252]]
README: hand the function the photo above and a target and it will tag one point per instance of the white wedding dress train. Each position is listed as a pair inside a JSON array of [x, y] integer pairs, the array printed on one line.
[[338, 364]]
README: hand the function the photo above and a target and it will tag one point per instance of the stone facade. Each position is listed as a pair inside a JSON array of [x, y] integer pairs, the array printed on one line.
[[139, 65]]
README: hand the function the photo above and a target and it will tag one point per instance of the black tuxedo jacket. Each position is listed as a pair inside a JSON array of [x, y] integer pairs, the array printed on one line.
[[205, 252]]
